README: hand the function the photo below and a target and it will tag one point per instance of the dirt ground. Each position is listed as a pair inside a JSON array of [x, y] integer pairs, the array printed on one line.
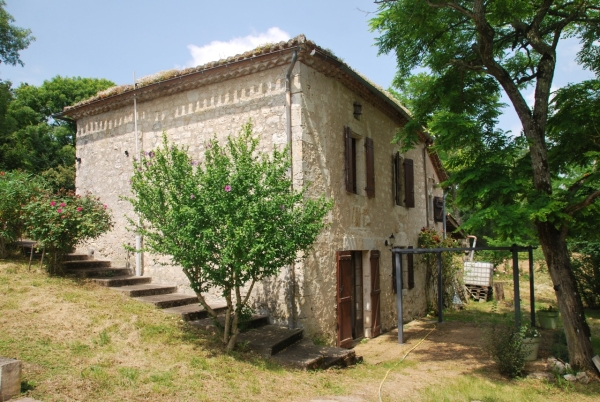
[[437, 354]]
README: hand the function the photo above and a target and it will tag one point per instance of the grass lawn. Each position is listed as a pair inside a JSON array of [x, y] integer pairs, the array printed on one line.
[[82, 342]]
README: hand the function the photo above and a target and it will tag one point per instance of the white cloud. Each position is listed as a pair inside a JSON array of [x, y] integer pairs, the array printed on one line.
[[217, 50]]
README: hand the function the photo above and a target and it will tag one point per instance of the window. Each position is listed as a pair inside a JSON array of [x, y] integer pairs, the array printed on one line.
[[438, 209], [409, 183]]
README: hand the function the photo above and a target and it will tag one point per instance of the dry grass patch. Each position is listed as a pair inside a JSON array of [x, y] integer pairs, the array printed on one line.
[[79, 341]]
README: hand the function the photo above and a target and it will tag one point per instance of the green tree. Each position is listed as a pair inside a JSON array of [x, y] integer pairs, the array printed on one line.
[[228, 223], [31, 139], [12, 38], [472, 50], [16, 188]]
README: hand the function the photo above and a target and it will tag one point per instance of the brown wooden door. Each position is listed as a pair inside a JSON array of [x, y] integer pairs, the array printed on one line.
[[344, 298], [375, 294]]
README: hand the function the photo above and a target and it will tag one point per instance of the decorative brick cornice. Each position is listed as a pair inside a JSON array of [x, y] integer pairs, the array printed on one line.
[[260, 59]]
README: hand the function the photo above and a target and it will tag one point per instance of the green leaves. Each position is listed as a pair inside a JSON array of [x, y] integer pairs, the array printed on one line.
[[60, 221], [228, 221]]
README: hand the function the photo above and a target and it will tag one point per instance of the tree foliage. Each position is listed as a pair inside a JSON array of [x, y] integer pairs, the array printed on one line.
[[530, 186], [31, 139], [12, 38], [228, 222], [16, 188]]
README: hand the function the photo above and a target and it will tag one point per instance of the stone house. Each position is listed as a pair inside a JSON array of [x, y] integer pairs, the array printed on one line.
[[340, 127]]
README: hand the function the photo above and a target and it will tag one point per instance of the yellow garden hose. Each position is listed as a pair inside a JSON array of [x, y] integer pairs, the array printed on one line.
[[401, 360]]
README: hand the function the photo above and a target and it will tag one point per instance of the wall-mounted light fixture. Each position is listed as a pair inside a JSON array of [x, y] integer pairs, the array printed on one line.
[[390, 241], [357, 110], [78, 160], [126, 153]]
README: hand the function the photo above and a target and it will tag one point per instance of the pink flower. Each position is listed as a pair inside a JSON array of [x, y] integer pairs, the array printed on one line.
[[79, 208], [227, 188], [192, 197], [104, 206], [59, 210], [62, 204], [52, 203]]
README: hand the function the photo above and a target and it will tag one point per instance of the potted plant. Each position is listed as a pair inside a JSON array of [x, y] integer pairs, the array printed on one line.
[[548, 317], [531, 342]]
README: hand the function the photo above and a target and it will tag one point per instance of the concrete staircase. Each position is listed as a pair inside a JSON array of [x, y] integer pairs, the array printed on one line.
[[286, 346]]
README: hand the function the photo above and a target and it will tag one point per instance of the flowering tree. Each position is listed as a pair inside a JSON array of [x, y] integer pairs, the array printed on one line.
[[229, 222], [60, 221]]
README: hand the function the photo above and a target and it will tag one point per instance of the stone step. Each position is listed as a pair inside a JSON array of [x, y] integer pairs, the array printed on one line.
[[98, 272], [145, 290], [85, 264], [307, 356], [256, 321], [193, 312], [77, 257], [167, 301], [115, 281], [269, 340]]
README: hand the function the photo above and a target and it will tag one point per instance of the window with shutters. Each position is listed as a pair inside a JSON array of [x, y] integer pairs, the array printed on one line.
[[409, 183], [370, 169], [397, 179]]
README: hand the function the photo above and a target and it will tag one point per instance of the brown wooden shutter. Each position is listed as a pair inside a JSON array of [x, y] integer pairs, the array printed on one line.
[[409, 183], [438, 209], [398, 179], [410, 269], [349, 161], [375, 294], [344, 298], [370, 158]]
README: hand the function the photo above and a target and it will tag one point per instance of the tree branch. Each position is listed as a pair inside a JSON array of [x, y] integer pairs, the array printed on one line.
[[583, 204], [453, 5]]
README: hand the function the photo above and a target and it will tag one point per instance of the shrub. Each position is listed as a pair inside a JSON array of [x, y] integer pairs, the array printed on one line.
[[16, 188], [60, 221], [505, 345], [229, 222]]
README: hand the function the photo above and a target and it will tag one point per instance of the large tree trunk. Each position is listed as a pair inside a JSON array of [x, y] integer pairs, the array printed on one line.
[[576, 328]]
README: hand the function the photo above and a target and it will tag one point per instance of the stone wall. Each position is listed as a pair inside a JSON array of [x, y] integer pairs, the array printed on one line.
[[322, 106], [356, 222]]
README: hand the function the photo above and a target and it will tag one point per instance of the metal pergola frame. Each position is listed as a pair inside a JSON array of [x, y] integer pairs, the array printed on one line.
[[398, 252]]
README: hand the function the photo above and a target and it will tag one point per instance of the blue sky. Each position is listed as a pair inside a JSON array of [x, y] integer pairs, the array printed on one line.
[[113, 38]]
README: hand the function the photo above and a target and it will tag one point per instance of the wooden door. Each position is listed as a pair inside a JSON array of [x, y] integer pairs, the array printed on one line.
[[375, 294], [344, 298]]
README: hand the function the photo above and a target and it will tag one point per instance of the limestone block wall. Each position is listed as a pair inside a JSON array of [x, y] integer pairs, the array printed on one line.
[[189, 118], [356, 222]]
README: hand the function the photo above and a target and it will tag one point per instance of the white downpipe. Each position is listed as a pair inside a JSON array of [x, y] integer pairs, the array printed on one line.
[[138, 237]]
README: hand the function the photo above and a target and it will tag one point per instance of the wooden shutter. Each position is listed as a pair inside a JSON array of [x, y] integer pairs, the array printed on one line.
[[370, 158], [349, 161], [344, 298], [438, 209], [375, 294], [410, 269], [398, 199], [409, 183]]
